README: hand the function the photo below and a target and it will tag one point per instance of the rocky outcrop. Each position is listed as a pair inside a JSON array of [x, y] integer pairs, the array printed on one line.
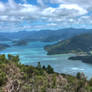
[[12, 86]]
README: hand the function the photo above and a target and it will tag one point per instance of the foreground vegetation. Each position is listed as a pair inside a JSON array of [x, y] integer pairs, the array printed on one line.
[[16, 77]]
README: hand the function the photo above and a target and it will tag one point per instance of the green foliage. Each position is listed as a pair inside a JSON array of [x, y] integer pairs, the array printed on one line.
[[76, 44], [89, 88], [54, 81], [3, 59], [50, 70], [71, 79], [90, 82], [39, 71], [1, 90], [81, 76], [39, 66], [40, 77], [13, 58], [78, 75], [44, 68], [26, 88], [40, 81], [28, 70], [3, 78], [43, 89]]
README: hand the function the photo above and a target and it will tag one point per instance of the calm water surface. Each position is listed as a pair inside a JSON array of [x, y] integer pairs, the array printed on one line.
[[34, 52]]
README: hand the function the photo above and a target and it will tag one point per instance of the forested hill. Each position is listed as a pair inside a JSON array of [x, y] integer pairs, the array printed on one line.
[[3, 46], [77, 44]]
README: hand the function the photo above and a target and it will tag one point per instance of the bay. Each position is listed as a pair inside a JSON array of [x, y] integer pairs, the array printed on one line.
[[34, 52]]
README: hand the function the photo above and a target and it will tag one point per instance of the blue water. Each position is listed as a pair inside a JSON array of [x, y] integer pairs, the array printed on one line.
[[34, 52]]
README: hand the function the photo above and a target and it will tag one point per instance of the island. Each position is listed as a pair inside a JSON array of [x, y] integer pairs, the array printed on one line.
[[20, 43], [85, 59]]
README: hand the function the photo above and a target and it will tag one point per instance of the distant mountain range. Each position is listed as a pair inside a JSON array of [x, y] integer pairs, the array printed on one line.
[[76, 44], [23, 37], [43, 35]]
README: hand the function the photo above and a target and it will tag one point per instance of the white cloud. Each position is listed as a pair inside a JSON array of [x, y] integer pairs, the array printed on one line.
[[2, 7], [76, 7], [12, 3], [41, 2], [16, 16]]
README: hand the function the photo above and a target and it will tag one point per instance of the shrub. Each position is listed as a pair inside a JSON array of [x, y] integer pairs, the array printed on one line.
[[39, 66], [13, 58], [54, 81], [90, 82], [78, 75], [3, 78], [50, 70], [2, 58], [44, 68]]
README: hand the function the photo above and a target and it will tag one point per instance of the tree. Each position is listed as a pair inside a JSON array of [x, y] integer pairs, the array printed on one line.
[[50, 69], [90, 82], [81, 76], [40, 70], [78, 75], [44, 67], [2, 58], [39, 66], [13, 58]]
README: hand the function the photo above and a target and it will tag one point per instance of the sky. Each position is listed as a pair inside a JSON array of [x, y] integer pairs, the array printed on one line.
[[34, 15]]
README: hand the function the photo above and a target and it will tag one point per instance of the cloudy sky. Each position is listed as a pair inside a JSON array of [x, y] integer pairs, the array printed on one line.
[[18, 15]]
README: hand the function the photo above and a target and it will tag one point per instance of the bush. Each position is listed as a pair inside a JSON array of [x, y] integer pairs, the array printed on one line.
[[78, 75], [44, 68], [29, 70], [90, 82], [81, 76], [3, 78], [2, 59], [50, 70], [40, 70], [13, 58], [54, 81], [39, 66]]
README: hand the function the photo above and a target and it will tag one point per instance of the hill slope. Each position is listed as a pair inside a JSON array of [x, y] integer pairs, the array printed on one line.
[[81, 43], [15, 77], [3, 46]]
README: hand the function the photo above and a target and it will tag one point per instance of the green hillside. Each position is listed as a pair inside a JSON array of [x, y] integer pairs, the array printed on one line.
[[3, 46], [77, 44]]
